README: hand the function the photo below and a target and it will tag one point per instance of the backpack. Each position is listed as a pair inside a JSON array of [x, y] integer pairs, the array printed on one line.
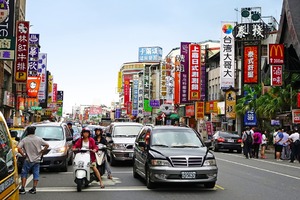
[[249, 138]]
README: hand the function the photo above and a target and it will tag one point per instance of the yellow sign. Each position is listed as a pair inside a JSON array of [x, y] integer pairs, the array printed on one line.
[[230, 104], [21, 76], [119, 81], [199, 110]]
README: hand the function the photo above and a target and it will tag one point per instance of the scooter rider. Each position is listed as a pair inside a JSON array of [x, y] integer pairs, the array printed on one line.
[[89, 143], [100, 139]]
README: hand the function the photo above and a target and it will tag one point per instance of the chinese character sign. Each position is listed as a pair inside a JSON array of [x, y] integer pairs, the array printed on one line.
[[276, 75], [42, 72], [194, 72], [227, 66], [150, 54], [184, 75], [251, 64], [54, 93], [230, 103], [251, 31], [199, 110], [296, 116], [126, 91], [163, 86], [7, 48], [135, 96], [276, 54], [22, 47]]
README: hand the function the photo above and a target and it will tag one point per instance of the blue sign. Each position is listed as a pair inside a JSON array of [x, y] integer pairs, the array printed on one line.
[[118, 113], [135, 112], [150, 54], [154, 103], [135, 94], [34, 39], [250, 118]]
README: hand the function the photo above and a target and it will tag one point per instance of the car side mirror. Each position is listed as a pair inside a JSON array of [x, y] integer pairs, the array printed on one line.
[[208, 143]]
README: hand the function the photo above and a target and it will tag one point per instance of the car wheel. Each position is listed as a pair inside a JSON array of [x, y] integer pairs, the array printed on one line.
[[149, 183], [210, 185], [112, 161], [79, 185], [135, 174]]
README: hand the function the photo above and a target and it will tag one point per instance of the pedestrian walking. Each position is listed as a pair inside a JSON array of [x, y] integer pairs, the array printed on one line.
[[285, 154], [247, 138], [264, 143], [278, 145], [31, 148], [295, 146], [257, 140]]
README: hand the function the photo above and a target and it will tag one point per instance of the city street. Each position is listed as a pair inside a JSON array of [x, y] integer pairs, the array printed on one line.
[[238, 178]]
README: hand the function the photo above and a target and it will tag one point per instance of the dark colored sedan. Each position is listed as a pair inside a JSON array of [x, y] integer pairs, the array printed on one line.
[[226, 141]]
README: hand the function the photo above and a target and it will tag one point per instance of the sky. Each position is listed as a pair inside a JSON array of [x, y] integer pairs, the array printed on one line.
[[87, 41]]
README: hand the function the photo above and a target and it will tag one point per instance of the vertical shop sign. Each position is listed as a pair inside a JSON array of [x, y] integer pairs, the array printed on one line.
[[296, 116], [230, 104], [251, 64], [147, 107], [276, 75], [33, 54], [54, 95], [177, 80], [135, 95], [194, 93], [199, 110], [227, 66], [22, 47], [42, 72], [276, 54], [163, 85], [184, 74], [126, 90], [141, 97]]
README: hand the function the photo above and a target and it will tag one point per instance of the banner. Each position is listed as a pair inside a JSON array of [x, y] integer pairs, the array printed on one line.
[[146, 82], [22, 58], [194, 93], [184, 74], [42, 72], [33, 54], [119, 81], [163, 86], [190, 110], [251, 64], [177, 80], [50, 90], [276, 75], [135, 104], [33, 85], [227, 57], [126, 91], [209, 128], [54, 93]]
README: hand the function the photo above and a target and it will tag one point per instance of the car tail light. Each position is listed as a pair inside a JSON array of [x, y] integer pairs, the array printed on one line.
[[239, 140], [220, 140]]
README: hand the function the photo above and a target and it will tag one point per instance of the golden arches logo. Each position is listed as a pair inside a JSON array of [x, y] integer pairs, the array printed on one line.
[[276, 49]]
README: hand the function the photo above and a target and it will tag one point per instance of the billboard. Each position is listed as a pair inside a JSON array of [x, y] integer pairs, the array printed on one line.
[[194, 93], [251, 64], [150, 54], [227, 66], [184, 74]]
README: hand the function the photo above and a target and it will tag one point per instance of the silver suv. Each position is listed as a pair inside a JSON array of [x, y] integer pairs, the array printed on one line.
[[121, 137]]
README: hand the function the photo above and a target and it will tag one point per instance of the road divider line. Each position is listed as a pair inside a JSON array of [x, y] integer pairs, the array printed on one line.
[[261, 169]]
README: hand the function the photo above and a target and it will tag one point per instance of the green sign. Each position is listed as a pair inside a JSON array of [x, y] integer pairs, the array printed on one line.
[[7, 48], [36, 108], [147, 107], [59, 111]]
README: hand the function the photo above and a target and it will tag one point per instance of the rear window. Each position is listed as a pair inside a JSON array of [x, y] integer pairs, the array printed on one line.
[[126, 131]]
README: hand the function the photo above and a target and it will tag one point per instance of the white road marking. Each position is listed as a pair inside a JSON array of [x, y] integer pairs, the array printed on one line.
[[261, 169], [114, 172], [89, 189], [265, 161]]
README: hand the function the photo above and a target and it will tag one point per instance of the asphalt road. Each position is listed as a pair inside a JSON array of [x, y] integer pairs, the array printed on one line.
[[238, 178]]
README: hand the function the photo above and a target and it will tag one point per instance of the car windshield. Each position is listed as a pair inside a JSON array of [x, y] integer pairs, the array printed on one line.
[[126, 131], [49, 133], [175, 139]]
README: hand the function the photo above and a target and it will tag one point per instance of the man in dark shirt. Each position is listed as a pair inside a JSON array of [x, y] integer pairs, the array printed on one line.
[[70, 127]]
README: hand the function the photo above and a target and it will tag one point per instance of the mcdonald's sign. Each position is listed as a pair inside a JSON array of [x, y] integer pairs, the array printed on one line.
[[276, 54]]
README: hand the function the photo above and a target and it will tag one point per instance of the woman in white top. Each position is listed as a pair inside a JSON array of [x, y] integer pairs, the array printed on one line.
[[263, 145]]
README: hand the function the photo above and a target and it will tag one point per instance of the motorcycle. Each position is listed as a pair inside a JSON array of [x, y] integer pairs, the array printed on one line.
[[83, 174]]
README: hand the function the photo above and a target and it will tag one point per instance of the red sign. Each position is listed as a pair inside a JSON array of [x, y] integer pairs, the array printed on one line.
[[189, 110], [194, 72], [276, 54], [250, 64], [209, 128], [296, 116], [128, 108], [22, 47], [54, 95], [276, 75], [33, 85], [298, 100], [126, 91]]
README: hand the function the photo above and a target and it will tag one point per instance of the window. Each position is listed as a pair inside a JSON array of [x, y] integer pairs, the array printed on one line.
[[50, 133], [6, 153], [126, 131]]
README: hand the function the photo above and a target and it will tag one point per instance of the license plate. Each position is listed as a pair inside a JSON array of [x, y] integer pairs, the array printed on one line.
[[230, 140], [130, 155], [188, 175]]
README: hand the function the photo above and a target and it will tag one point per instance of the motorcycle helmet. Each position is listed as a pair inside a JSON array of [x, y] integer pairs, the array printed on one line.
[[85, 130]]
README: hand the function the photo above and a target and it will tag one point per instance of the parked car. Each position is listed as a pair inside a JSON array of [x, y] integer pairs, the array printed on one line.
[[225, 140], [58, 135], [173, 154], [121, 137]]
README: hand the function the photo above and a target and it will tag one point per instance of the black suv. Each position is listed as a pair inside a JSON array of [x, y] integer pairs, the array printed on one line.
[[172, 154]]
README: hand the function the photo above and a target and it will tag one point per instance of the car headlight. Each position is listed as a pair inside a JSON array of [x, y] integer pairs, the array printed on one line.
[[210, 162], [160, 163], [118, 146], [59, 150]]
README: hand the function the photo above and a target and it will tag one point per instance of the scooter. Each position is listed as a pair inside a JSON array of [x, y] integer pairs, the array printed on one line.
[[101, 158], [83, 174]]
